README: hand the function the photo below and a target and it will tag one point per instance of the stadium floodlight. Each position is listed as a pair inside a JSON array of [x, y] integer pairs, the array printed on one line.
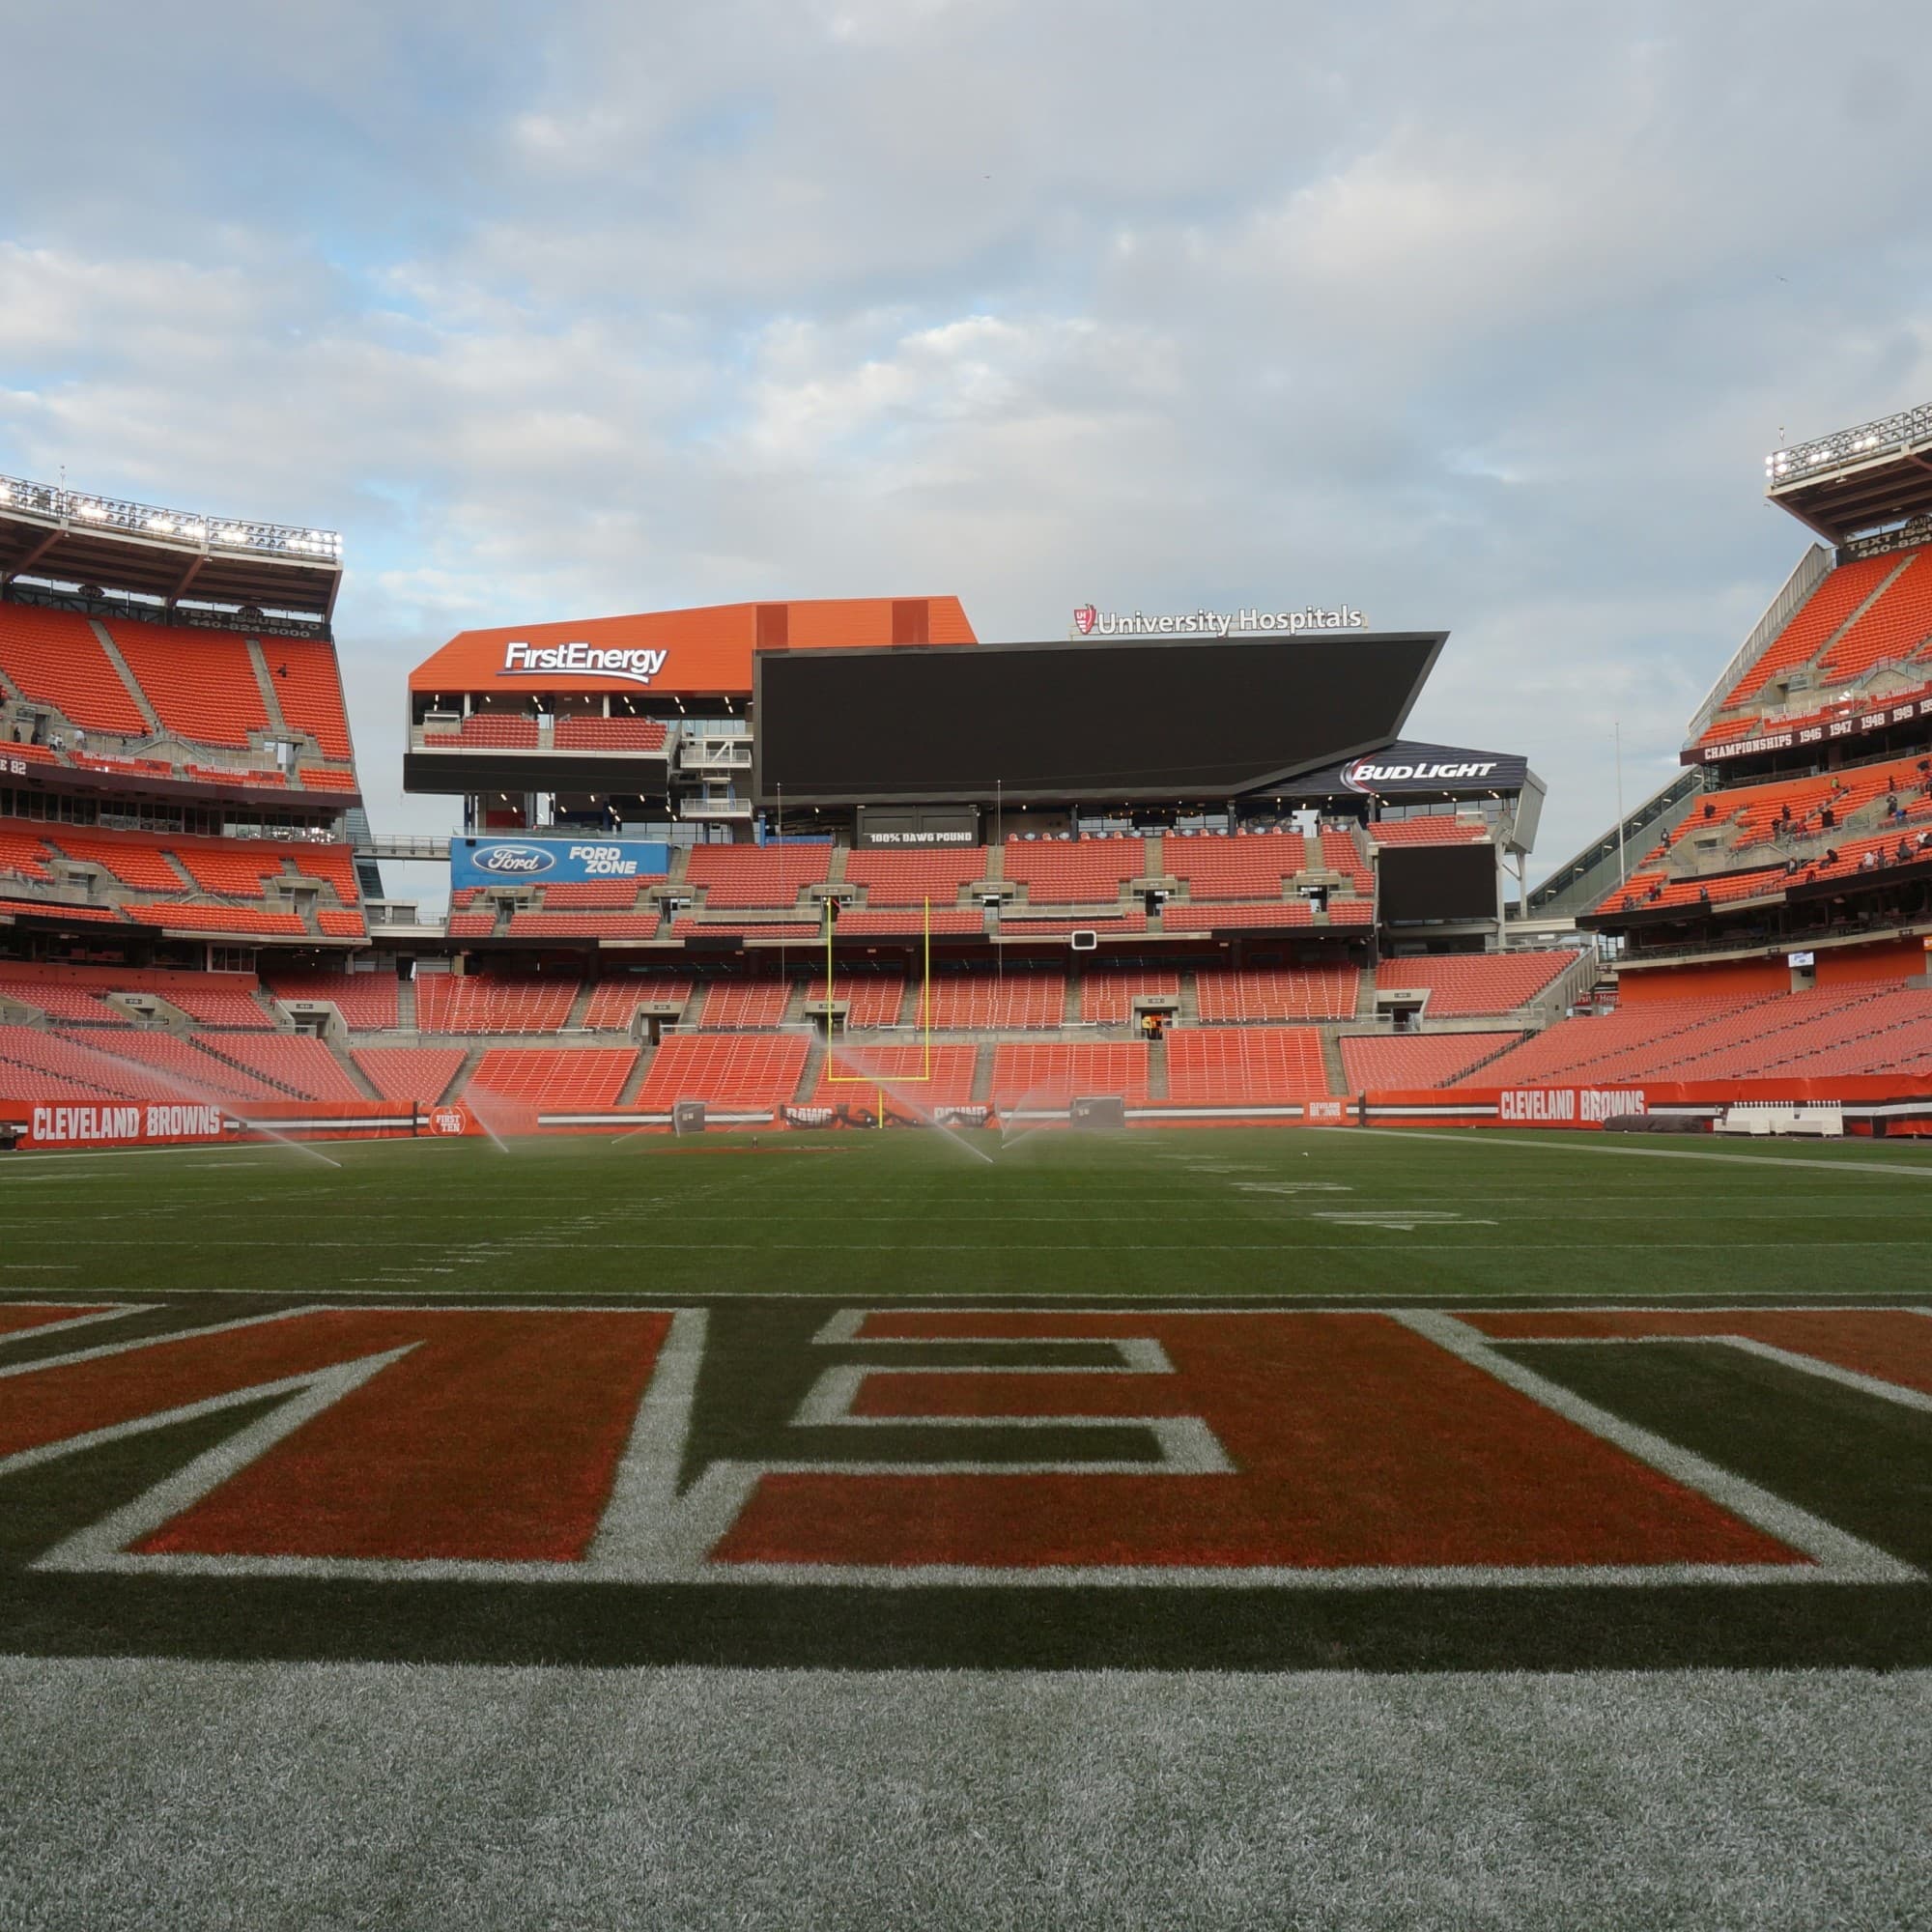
[[276, 539]]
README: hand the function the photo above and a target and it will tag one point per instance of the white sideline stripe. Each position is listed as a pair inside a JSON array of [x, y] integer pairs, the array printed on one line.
[[1845, 1556], [1811, 1365], [1586, 1143]]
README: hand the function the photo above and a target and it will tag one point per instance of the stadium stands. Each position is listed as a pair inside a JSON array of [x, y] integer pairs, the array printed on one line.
[[583, 895], [1049, 1073], [188, 1070], [181, 916], [871, 999], [910, 878], [1437, 828], [748, 876], [1083, 872], [1823, 613], [468, 1003], [1278, 993], [1897, 626], [923, 1078], [366, 1001], [554, 1077], [609, 734], [295, 1062], [1416, 1060], [1250, 866], [491, 731], [56, 659], [201, 683], [744, 1002], [410, 1076], [307, 683], [614, 1002], [1107, 994], [982, 1001], [1340, 854], [750, 1071], [1461, 983], [1232, 1065]]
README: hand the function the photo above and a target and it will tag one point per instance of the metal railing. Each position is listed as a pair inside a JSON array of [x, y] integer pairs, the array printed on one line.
[[56, 504], [1814, 564], [1802, 461]]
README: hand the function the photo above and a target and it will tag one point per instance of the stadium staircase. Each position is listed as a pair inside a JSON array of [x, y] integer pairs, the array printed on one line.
[[1331, 1061], [142, 702], [577, 1017]]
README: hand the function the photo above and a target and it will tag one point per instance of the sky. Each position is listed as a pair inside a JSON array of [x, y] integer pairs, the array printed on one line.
[[1477, 316]]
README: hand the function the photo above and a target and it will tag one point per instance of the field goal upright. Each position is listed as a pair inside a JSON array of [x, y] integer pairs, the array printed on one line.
[[924, 1074]]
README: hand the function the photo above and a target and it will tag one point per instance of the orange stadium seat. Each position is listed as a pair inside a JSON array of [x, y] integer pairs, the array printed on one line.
[[1416, 1060], [496, 730], [614, 1002], [409, 1074], [201, 683], [1339, 854], [189, 1071], [307, 682], [1278, 993], [340, 921], [923, 1078], [578, 895], [317, 778], [1235, 1066], [1437, 828], [871, 999], [756, 875], [111, 915], [908, 922], [1474, 982], [54, 658], [39, 1066], [1049, 1073], [1107, 993], [471, 1002], [750, 1071], [894, 878], [554, 1078], [1897, 626], [1835, 598], [1082, 871], [584, 925], [293, 1061], [744, 1002], [1250, 866], [22, 855], [609, 734], [981, 1000], [132, 857], [188, 917], [366, 1001], [1216, 916]]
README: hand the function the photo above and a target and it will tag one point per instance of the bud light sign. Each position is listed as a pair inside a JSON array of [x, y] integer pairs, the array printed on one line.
[[548, 862]]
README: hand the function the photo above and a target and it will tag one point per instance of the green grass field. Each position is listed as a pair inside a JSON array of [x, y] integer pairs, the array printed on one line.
[[1193, 1528], [898, 1213]]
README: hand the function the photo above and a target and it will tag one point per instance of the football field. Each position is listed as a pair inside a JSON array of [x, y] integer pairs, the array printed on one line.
[[1274, 1528]]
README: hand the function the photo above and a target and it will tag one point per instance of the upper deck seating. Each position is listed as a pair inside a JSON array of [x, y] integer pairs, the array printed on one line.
[[585, 924], [609, 895], [1080, 871], [1474, 982], [1437, 829], [1897, 626], [1249, 865], [756, 875], [54, 658], [185, 916], [1339, 854], [201, 683], [1835, 598], [498, 730], [893, 878], [307, 682]]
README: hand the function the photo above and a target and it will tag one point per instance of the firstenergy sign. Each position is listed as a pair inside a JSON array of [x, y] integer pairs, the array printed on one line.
[[634, 667]]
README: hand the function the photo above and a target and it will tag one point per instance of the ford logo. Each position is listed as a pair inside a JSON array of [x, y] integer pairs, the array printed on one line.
[[516, 861]]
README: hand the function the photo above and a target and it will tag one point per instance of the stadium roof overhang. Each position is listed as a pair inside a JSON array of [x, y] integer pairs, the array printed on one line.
[[65, 536], [1859, 480], [705, 652]]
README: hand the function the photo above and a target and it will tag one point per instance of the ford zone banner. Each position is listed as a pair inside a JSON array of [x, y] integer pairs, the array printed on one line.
[[543, 862]]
